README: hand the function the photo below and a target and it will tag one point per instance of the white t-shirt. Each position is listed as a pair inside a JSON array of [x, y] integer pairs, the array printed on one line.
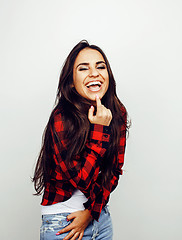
[[73, 204]]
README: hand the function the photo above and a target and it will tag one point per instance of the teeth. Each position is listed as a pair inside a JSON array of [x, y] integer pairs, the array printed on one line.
[[93, 83]]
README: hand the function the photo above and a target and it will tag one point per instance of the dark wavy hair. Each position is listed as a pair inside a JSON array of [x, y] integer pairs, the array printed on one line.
[[74, 110]]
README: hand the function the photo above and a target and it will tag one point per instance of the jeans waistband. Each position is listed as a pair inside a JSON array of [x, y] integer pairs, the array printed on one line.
[[106, 209], [61, 216]]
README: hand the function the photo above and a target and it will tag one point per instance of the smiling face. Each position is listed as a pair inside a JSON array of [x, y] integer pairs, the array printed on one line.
[[90, 75]]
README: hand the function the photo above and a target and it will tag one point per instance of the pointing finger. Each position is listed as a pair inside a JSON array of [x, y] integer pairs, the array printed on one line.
[[98, 101]]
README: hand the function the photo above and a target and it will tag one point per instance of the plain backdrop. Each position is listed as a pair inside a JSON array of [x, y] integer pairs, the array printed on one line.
[[142, 40]]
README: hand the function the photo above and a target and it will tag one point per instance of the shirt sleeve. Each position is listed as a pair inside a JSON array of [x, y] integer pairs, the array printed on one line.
[[99, 195], [83, 171]]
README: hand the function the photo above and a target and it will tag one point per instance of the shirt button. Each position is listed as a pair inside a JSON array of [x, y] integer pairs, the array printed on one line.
[[106, 136]]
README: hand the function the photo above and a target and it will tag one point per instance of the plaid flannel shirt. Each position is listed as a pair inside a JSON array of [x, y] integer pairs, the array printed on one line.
[[83, 171]]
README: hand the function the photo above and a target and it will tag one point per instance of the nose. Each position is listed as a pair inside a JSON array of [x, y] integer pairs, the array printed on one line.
[[93, 72]]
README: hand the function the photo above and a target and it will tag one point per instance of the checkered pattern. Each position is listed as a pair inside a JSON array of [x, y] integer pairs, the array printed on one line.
[[99, 195], [83, 171]]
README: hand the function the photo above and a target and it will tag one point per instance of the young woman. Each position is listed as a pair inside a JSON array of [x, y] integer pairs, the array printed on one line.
[[83, 149]]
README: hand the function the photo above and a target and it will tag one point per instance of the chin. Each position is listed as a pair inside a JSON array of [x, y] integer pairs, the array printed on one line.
[[99, 94], [93, 98]]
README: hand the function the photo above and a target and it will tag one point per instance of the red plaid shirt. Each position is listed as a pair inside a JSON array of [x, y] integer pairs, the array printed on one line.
[[85, 176]]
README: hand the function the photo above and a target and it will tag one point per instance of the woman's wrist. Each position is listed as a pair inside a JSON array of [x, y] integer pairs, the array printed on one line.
[[88, 215]]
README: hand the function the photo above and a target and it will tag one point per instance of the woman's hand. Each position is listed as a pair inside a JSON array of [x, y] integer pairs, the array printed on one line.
[[103, 115], [78, 225]]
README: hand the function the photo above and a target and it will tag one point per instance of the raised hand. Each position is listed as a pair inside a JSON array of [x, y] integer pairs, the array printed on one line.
[[103, 115]]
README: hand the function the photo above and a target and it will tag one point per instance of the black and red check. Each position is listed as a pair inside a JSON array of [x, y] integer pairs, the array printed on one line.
[[83, 172]]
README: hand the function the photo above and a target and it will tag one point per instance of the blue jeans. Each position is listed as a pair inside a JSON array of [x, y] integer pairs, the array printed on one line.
[[52, 223]]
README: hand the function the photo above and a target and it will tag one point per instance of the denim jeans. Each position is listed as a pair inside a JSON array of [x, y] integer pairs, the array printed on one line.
[[52, 223]]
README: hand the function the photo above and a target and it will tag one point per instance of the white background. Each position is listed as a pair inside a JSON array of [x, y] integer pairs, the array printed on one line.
[[142, 40]]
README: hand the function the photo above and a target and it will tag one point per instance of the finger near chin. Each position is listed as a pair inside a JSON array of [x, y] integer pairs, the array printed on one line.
[[98, 101]]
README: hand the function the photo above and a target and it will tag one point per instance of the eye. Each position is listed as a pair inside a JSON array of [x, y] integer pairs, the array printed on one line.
[[101, 67], [82, 69]]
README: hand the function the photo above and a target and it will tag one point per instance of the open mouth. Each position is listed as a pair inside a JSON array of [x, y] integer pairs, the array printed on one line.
[[94, 86]]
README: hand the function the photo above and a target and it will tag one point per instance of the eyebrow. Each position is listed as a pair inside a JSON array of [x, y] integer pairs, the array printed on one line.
[[88, 63]]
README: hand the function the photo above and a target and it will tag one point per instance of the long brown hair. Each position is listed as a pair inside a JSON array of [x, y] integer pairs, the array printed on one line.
[[74, 110]]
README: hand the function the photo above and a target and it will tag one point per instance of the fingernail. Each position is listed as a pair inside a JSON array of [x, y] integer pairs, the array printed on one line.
[[67, 220], [57, 233], [91, 106]]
